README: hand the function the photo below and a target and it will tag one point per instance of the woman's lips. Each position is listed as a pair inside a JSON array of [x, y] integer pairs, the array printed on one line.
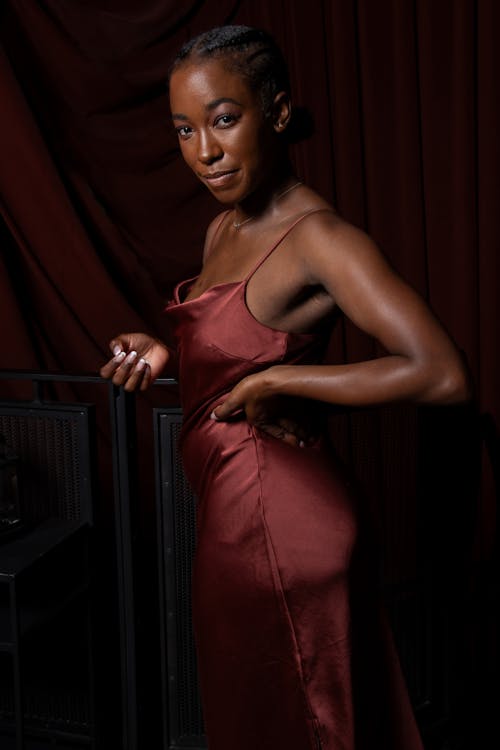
[[220, 178]]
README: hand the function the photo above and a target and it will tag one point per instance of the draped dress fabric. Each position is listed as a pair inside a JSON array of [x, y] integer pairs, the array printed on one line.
[[277, 528]]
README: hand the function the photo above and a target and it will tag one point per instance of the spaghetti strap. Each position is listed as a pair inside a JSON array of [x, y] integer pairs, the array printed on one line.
[[280, 240]]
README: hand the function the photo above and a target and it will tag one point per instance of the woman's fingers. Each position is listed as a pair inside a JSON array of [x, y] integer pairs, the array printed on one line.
[[275, 416], [136, 378], [231, 407], [124, 369], [304, 429], [280, 433], [128, 370], [146, 378], [116, 346], [109, 369], [293, 427], [138, 359], [285, 429]]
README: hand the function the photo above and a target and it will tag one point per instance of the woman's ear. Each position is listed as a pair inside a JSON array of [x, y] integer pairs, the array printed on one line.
[[281, 111]]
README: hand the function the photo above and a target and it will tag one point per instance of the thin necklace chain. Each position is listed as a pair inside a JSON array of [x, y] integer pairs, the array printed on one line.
[[238, 224]]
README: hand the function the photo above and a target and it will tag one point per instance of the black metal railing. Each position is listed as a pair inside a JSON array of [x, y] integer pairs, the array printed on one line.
[[121, 418]]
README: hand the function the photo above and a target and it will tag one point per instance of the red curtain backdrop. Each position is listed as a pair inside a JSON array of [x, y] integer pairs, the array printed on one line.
[[101, 217]]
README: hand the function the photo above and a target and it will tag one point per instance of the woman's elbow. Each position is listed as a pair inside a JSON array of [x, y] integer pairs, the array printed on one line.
[[452, 383]]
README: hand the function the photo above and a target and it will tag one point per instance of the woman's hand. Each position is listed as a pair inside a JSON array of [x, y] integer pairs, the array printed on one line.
[[288, 419], [137, 361]]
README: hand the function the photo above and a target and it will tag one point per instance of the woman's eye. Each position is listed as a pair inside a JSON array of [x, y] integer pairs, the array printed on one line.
[[183, 131], [225, 121]]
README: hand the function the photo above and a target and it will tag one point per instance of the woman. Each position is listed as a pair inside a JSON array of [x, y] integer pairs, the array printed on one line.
[[277, 602]]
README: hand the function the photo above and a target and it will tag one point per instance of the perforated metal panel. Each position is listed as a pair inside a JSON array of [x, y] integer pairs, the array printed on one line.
[[54, 453], [183, 722], [52, 443]]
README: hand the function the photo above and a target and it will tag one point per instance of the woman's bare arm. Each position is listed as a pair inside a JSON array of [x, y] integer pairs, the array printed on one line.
[[422, 363]]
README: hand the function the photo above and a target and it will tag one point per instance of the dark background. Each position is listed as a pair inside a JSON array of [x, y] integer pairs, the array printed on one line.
[[101, 217]]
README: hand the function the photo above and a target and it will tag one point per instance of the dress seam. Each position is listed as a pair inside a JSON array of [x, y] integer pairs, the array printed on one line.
[[281, 593], [243, 359]]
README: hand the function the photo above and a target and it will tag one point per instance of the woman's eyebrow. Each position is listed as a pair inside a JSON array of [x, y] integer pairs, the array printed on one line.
[[222, 100], [209, 107]]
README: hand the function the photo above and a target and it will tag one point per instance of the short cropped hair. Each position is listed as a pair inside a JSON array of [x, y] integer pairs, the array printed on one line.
[[252, 53]]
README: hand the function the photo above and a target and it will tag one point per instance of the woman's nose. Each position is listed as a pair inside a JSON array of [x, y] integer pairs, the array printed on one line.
[[209, 148]]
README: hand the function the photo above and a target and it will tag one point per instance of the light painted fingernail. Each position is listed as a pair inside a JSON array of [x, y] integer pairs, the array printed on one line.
[[130, 357], [302, 444], [140, 365], [117, 350], [119, 357], [213, 416]]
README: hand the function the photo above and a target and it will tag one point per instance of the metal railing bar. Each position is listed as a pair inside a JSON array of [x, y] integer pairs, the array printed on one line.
[[61, 377]]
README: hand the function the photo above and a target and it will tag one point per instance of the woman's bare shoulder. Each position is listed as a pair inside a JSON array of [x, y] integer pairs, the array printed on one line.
[[321, 215], [324, 230], [333, 252], [319, 218], [318, 225]]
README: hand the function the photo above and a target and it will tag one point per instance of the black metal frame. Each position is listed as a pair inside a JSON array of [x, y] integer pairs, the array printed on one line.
[[122, 418], [176, 507]]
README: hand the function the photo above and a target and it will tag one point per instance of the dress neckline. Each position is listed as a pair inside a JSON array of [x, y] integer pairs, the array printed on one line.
[[243, 283], [253, 270], [190, 281], [177, 303]]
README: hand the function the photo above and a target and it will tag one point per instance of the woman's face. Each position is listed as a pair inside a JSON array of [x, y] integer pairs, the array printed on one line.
[[223, 134]]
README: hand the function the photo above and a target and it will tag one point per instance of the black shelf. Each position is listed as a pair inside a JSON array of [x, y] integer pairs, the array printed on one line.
[[18, 555]]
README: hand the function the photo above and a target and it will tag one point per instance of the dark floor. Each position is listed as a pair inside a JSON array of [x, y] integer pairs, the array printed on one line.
[[9, 743]]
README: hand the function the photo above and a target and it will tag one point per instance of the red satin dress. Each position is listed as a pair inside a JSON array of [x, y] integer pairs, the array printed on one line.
[[288, 657]]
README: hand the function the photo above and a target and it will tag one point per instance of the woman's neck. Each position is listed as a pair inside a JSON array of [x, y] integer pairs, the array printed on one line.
[[266, 197]]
